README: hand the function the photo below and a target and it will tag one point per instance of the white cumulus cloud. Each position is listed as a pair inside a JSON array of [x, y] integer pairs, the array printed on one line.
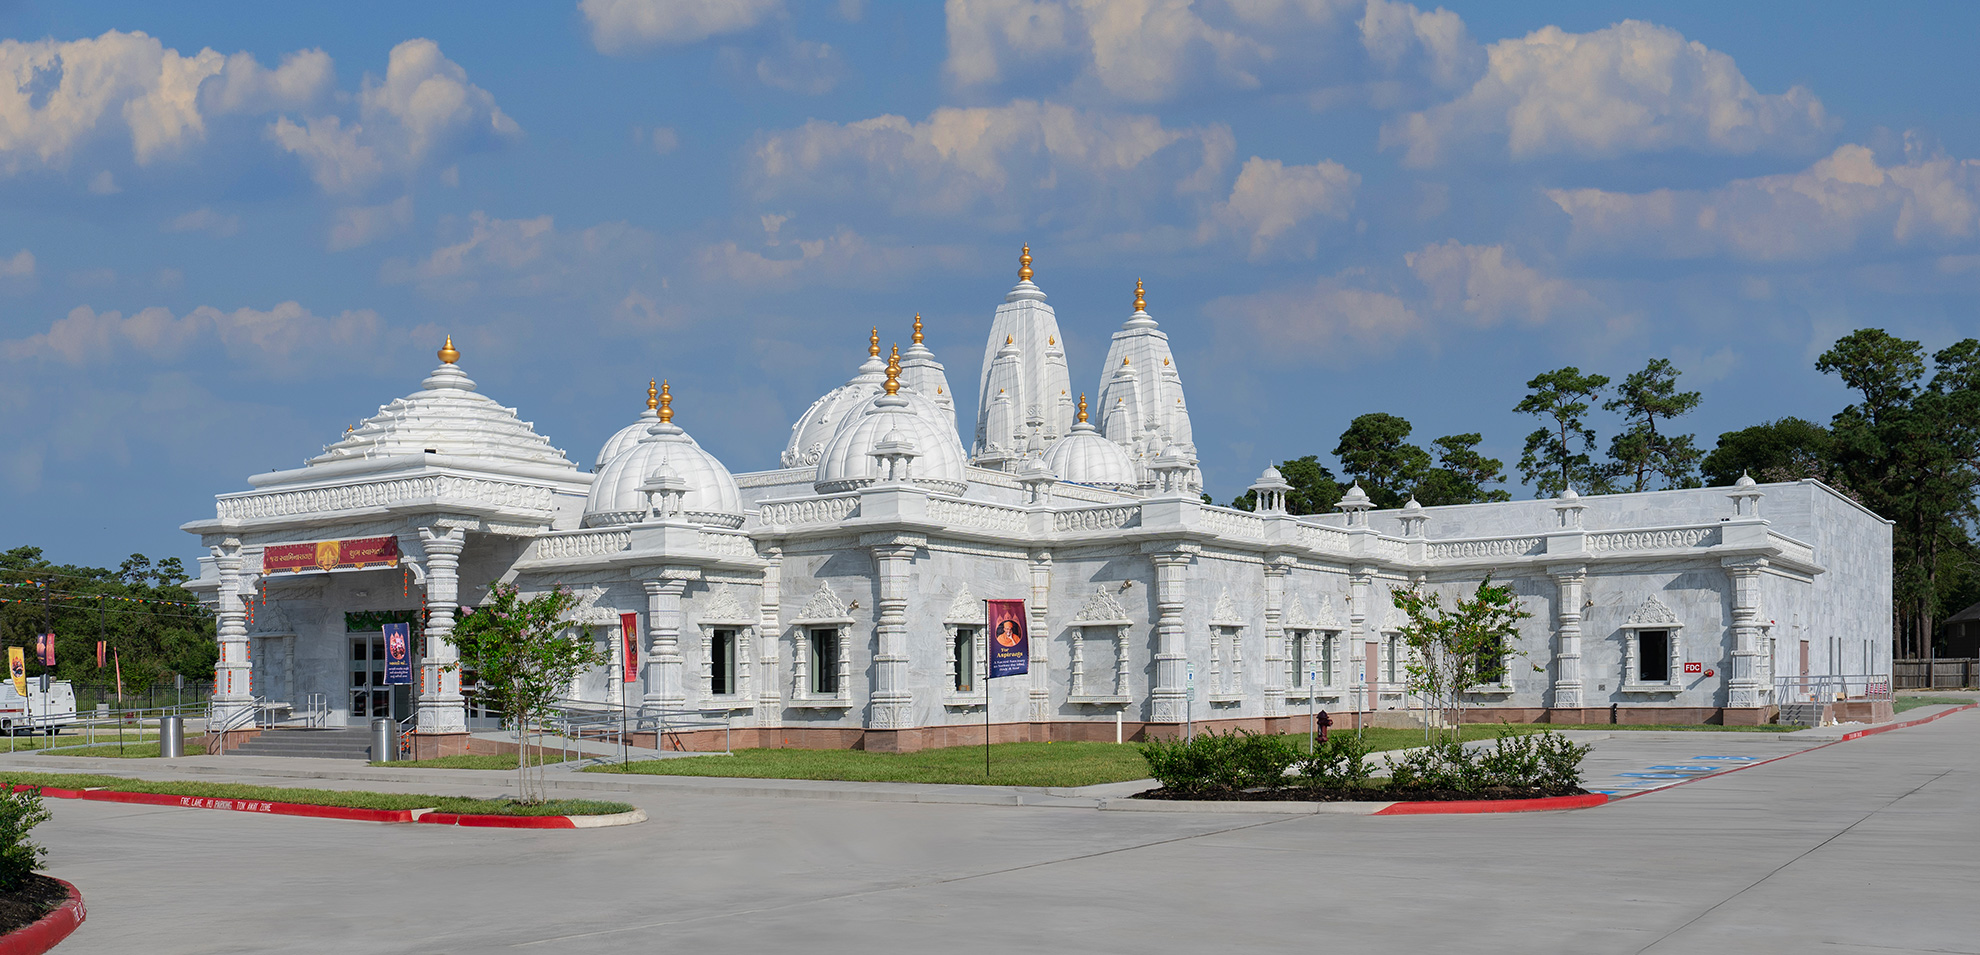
[[627, 26], [1630, 88], [288, 330], [1488, 284], [1275, 205], [1845, 203], [1328, 320]]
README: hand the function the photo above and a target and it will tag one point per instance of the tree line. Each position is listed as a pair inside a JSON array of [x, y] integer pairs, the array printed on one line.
[[151, 626], [1908, 449]]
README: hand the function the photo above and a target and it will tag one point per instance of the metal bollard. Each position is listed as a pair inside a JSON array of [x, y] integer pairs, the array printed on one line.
[[171, 736], [384, 740]]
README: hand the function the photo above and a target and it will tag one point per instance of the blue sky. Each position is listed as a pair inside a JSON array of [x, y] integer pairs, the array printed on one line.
[[231, 230]]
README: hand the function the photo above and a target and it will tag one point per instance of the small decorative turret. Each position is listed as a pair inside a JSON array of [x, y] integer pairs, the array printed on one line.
[[448, 355], [666, 403]]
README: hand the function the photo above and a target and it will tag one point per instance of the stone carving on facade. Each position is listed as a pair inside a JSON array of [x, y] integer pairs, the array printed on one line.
[[1655, 540], [1226, 613], [1652, 613], [824, 606], [1101, 608], [965, 609], [588, 612], [723, 607]]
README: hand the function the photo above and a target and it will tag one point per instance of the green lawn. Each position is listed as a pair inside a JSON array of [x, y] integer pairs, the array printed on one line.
[[1011, 764], [1689, 727], [319, 797], [1903, 703], [131, 749], [473, 761]]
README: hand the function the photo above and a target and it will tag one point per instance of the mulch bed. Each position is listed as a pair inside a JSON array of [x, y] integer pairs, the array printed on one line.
[[36, 897], [1297, 794]]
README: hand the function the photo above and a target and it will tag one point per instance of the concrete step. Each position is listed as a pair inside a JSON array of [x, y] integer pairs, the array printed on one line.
[[317, 743]]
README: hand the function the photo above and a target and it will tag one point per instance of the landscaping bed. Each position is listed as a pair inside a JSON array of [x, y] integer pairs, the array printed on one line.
[[36, 896], [347, 799], [1241, 766], [1362, 794]]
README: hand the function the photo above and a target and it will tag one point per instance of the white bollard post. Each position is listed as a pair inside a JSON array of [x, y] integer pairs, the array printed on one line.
[[1117, 727]]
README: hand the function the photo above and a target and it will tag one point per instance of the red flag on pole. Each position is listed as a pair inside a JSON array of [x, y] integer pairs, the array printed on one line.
[[99, 653], [118, 660], [629, 638]]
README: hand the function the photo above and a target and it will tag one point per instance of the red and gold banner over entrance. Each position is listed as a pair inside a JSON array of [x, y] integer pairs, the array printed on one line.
[[329, 555]]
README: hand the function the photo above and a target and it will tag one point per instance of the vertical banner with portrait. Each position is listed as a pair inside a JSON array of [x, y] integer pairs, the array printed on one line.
[[1010, 642], [17, 668], [398, 653], [629, 646]]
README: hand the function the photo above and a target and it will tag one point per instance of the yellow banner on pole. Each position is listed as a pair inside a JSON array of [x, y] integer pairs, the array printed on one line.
[[17, 665]]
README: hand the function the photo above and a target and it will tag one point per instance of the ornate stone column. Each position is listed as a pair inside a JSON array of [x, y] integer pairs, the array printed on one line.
[[770, 637], [1743, 688], [1040, 628], [232, 699], [891, 705], [663, 629], [1569, 580], [1276, 569], [441, 709], [1170, 700], [1360, 582]]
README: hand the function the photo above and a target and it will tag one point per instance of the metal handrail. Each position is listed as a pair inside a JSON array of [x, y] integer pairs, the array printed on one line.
[[221, 727], [401, 732], [576, 720], [1829, 688], [316, 710]]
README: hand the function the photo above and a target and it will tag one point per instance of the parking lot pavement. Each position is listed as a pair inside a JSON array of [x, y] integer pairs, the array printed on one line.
[[1861, 846]]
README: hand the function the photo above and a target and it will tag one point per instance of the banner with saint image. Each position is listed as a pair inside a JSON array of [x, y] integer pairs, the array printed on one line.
[[398, 653], [1010, 642]]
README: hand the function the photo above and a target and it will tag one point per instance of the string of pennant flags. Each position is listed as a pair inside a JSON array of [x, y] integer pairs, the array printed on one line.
[[112, 598]]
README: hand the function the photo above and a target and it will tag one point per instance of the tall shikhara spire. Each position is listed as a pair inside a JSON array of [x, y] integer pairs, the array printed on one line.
[[1024, 398]]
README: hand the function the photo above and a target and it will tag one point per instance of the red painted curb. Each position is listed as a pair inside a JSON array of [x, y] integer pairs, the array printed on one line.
[[49, 930], [251, 805], [1874, 730], [497, 822], [1460, 806]]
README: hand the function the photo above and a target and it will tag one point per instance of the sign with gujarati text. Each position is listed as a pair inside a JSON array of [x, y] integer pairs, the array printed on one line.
[[1010, 643], [398, 654], [1694, 668], [329, 555], [629, 643]]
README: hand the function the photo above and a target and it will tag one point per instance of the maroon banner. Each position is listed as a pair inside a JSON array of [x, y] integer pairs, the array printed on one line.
[[1010, 645], [329, 555], [629, 639]]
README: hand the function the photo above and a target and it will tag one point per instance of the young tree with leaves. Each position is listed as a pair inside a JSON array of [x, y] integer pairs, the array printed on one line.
[[1460, 647], [525, 652], [1556, 455], [1643, 399]]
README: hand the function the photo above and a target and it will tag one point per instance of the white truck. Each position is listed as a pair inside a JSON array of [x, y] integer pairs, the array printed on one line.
[[46, 711]]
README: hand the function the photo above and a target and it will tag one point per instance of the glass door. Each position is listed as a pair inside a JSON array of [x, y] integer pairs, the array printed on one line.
[[370, 697]]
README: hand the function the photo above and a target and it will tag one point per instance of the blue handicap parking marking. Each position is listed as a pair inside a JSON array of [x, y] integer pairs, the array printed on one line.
[[1688, 769], [1654, 775], [1739, 758]]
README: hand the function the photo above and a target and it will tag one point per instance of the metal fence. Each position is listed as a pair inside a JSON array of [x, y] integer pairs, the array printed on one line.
[[152, 697], [1830, 689], [1944, 674]]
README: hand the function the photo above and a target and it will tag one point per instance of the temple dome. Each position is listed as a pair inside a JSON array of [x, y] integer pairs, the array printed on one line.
[[446, 416], [846, 462], [1085, 456], [712, 496], [832, 410], [633, 433]]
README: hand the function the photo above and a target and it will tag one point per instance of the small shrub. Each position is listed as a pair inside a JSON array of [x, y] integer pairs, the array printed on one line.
[[1560, 761], [1512, 761], [19, 812], [1445, 764], [1213, 761], [1339, 763]]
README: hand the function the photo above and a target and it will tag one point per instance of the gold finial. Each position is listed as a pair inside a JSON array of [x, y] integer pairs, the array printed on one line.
[[652, 396], [917, 328], [1165, 363], [1007, 339], [666, 403], [1082, 406], [1140, 302], [447, 353], [1024, 264], [873, 343], [1124, 361], [894, 372], [1053, 340]]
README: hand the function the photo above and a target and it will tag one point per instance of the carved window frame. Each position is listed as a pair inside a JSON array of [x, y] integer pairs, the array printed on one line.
[[802, 632], [1078, 690], [952, 626], [741, 698], [1321, 651], [1632, 664], [1227, 684]]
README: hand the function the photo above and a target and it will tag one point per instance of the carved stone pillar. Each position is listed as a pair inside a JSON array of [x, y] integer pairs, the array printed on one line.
[[232, 698], [1360, 583], [1569, 581], [663, 629], [441, 709], [1170, 700], [892, 701], [1276, 569], [770, 637], [1040, 628], [1743, 688]]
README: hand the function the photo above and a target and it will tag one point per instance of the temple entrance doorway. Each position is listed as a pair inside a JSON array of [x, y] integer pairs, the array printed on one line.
[[370, 696]]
